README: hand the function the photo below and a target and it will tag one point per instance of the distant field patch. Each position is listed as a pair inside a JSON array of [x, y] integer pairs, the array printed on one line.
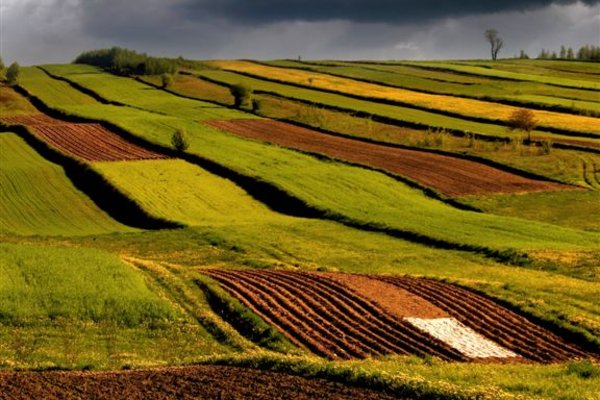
[[37, 198], [450, 175]]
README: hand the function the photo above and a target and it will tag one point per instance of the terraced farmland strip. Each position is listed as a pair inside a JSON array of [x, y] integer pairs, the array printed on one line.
[[377, 339], [498, 73], [37, 198], [457, 106], [450, 175], [90, 142], [337, 329], [394, 114], [497, 323]]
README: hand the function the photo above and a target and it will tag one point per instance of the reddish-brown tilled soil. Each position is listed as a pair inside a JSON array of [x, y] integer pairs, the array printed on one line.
[[326, 317], [391, 298], [349, 317], [452, 176], [90, 142], [493, 321], [198, 382]]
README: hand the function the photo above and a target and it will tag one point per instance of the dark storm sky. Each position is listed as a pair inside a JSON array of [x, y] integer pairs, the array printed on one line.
[[43, 31]]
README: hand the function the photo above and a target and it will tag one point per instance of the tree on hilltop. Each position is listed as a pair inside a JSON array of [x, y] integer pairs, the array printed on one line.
[[495, 41]]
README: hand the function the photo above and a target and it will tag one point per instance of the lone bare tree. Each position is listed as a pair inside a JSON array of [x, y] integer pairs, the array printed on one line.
[[495, 41]]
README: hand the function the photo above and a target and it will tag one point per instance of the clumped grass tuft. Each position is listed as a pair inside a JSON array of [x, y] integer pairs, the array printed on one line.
[[584, 369]]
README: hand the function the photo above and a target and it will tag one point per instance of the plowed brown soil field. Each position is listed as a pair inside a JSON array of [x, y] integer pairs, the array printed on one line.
[[198, 382], [451, 176], [90, 142], [346, 316], [493, 321]]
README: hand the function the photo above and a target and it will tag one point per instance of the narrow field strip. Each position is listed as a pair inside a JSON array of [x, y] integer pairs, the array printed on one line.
[[451, 176], [37, 198], [528, 94], [87, 141]]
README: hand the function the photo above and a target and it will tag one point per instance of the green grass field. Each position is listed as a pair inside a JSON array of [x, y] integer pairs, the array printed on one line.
[[383, 201], [101, 288], [84, 292], [182, 192], [37, 198]]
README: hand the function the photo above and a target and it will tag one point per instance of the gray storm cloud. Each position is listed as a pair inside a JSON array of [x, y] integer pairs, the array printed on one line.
[[43, 31]]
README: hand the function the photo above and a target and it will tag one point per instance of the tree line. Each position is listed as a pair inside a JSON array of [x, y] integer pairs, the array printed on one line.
[[585, 53], [128, 62]]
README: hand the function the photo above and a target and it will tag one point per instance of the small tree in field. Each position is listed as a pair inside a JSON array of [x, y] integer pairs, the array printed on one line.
[[12, 73], [242, 95], [180, 140], [166, 80], [522, 120], [2, 67], [495, 41]]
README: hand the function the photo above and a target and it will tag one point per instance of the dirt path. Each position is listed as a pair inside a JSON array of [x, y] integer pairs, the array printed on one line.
[[198, 382], [450, 175]]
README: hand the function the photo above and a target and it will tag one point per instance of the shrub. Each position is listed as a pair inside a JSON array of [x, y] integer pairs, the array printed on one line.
[[523, 120], [256, 106], [180, 140], [242, 95], [585, 369], [167, 80], [12, 73]]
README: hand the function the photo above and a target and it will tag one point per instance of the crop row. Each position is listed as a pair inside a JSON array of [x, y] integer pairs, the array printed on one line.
[[326, 317]]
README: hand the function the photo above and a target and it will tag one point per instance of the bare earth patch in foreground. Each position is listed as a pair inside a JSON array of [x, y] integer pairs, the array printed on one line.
[[197, 382], [343, 316]]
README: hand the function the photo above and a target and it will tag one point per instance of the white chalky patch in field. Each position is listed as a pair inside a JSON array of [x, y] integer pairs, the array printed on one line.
[[461, 337]]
